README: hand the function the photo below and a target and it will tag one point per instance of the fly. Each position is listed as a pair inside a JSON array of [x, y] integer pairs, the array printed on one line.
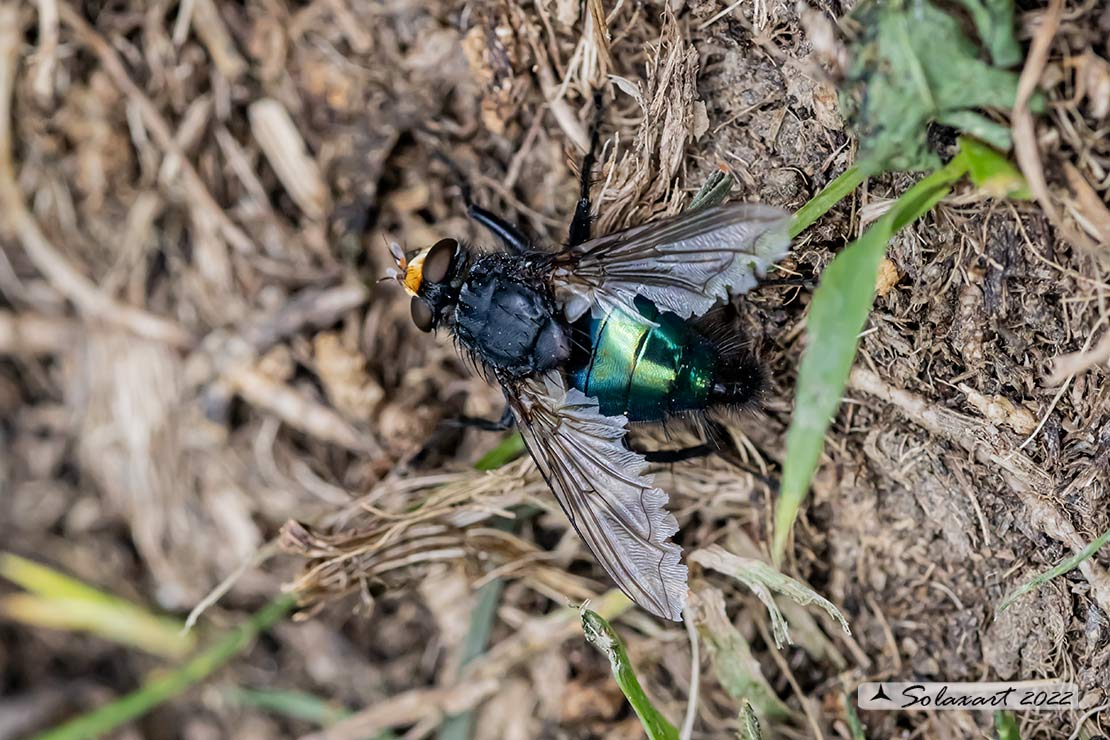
[[600, 333]]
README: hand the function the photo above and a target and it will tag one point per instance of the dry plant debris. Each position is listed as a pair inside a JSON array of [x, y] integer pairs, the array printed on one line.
[[195, 200]]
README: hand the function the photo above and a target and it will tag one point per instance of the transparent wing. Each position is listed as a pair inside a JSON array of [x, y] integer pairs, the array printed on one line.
[[684, 264], [603, 489]]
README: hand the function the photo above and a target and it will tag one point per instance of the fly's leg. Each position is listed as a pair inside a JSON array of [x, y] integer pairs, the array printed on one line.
[[508, 233], [715, 432], [676, 455], [449, 429], [486, 425], [580, 225], [792, 282]]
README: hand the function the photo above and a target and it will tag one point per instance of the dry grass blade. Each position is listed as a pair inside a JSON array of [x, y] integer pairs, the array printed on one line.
[[1089, 208], [217, 39], [762, 578], [163, 134], [408, 709], [1066, 366], [442, 520], [480, 680], [285, 149], [599, 34], [28, 334], [46, 257], [737, 670], [299, 411], [1026, 149]]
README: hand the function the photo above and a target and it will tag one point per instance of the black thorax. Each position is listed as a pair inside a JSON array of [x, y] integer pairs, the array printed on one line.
[[506, 316]]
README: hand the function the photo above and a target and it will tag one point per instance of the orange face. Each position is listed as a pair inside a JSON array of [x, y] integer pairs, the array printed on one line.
[[433, 263], [412, 276]]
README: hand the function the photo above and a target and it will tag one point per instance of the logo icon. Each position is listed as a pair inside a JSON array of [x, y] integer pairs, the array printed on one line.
[[880, 694]]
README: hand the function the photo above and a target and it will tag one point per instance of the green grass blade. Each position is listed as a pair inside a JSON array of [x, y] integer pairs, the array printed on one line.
[[295, 704], [154, 692], [1006, 726], [460, 726], [601, 635], [830, 195], [837, 314], [503, 454], [855, 727], [749, 724], [56, 601], [713, 193], [1059, 570]]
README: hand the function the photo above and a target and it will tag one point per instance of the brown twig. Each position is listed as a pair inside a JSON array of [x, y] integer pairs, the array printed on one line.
[[1066, 366], [284, 147], [216, 38], [47, 55]]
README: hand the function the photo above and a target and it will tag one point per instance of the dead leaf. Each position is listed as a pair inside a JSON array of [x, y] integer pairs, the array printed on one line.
[[343, 372], [888, 277], [999, 410]]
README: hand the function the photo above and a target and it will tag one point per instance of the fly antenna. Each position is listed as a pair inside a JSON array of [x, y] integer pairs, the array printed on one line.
[[391, 273], [398, 254]]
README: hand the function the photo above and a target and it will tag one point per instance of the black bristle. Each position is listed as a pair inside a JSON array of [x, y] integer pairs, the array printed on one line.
[[739, 380]]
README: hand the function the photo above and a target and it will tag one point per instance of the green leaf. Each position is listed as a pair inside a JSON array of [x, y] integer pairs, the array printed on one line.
[[837, 314], [912, 65], [992, 172], [1059, 570], [1006, 726], [601, 635], [994, 22]]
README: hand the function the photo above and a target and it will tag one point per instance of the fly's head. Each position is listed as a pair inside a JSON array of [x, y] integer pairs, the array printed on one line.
[[431, 277]]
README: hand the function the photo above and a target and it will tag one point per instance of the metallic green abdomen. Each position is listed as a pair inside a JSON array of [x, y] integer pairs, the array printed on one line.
[[645, 366]]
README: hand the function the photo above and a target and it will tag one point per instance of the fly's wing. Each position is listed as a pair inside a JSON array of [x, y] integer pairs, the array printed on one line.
[[684, 264], [603, 489]]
